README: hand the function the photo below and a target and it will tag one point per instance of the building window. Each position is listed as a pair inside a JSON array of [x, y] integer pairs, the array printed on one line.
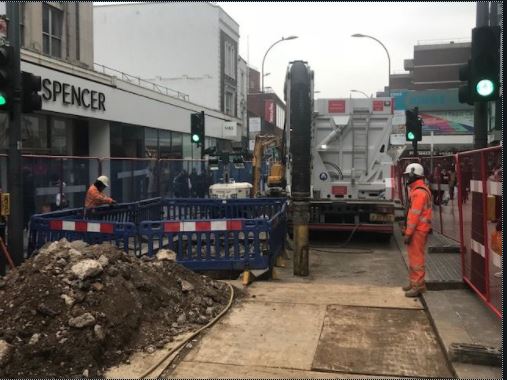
[[52, 26], [229, 103], [230, 60]]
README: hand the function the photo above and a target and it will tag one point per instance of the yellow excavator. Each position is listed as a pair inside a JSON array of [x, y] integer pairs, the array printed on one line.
[[276, 182]]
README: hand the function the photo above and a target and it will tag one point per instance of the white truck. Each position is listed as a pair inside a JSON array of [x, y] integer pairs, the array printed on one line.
[[353, 184]]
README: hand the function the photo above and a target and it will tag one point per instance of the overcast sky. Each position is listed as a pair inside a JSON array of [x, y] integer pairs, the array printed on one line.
[[340, 62]]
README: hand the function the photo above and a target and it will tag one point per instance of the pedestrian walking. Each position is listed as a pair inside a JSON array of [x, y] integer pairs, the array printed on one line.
[[452, 182], [194, 183], [95, 196], [435, 184], [182, 186], [444, 187], [417, 229]]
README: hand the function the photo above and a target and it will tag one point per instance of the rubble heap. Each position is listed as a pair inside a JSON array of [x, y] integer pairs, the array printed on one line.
[[75, 310]]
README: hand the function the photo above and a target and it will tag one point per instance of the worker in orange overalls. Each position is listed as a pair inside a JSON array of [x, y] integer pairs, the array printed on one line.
[[95, 196], [417, 228]]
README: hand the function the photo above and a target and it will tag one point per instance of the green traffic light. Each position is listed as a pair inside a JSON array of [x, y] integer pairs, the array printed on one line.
[[3, 100], [195, 138], [485, 87], [411, 136]]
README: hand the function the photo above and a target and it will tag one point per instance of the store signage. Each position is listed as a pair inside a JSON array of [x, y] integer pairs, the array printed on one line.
[[269, 111], [255, 124], [336, 106], [230, 129], [67, 94]]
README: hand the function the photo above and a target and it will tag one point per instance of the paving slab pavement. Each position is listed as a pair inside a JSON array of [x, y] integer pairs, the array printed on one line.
[[459, 316], [264, 334], [197, 370], [392, 342], [278, 327], [332, 294]]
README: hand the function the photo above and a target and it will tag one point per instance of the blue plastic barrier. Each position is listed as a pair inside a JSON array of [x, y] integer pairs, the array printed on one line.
[[44, 230], [119, 221], [206, 234], [220, 235]]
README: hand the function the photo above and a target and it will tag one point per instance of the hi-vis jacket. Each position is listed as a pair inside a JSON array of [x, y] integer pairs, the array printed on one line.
[[95, 198], [420, 208]]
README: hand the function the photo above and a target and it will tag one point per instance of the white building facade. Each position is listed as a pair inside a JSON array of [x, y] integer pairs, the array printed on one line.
[[191, 47]]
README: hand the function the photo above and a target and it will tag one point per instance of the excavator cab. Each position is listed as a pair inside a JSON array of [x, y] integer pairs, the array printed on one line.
[[276, 182]]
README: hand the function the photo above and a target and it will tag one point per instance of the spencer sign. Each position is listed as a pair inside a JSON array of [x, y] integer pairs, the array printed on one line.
[[67, 94]]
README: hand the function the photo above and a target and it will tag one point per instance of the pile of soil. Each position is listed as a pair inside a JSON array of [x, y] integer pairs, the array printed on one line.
[[76, 310]]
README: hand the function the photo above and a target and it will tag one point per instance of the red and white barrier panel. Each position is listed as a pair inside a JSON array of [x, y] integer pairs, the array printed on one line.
[[64, 225], [218, 225]]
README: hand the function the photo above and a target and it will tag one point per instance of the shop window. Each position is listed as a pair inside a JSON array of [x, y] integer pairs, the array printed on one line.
[[52, 27], [151, 143], [127, 140], [164, 141], [34, 134], [60, 133], [177, 144]]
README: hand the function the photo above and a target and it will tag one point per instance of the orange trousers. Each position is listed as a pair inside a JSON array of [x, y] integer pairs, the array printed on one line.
[[416, 258]]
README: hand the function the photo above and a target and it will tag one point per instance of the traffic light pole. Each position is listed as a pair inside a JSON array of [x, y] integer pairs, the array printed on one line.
[[493, 21], [414, 145], [15, 178], [481, 108]]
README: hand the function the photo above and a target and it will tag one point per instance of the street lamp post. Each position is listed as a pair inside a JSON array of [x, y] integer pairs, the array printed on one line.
[[360, 92], [388, 59], [267, 51]]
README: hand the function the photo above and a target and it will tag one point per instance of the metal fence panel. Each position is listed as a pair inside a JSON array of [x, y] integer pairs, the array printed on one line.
[[480, 178]]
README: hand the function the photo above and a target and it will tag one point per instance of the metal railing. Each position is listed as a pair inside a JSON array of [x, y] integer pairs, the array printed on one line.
[[138, 81]]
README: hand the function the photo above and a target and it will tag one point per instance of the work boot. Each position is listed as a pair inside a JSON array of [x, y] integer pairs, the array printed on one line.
[[406, 288], [416, 291]]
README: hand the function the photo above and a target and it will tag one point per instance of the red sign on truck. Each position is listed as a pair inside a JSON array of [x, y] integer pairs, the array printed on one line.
[[378, 105], [336, 106]]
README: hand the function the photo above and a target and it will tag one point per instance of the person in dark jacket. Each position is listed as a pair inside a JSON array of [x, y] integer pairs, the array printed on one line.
[[182, 185], [194, 181]]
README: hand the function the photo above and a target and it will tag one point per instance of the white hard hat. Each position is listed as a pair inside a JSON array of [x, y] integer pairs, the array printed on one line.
[[415, 169], [104, 180]]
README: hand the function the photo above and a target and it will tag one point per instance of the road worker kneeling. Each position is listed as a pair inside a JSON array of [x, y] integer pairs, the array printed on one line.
[[95, 196], [418, 227]]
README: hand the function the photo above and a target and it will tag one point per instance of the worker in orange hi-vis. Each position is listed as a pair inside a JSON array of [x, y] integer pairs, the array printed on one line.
[[417, 229], [95, 195]]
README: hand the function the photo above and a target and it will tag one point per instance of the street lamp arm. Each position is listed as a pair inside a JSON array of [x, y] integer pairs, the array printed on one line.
[[387, 52], [360, 92], [264, 59], [267, 51]]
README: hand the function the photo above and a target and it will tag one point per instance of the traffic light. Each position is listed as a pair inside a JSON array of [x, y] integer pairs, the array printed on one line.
[[6, 77], [482, 72], [30, 99], [197, 128], [413, 124], [485, 75]]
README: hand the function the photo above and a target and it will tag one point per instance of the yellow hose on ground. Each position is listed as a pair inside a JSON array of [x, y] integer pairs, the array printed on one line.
[[179, 346]]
